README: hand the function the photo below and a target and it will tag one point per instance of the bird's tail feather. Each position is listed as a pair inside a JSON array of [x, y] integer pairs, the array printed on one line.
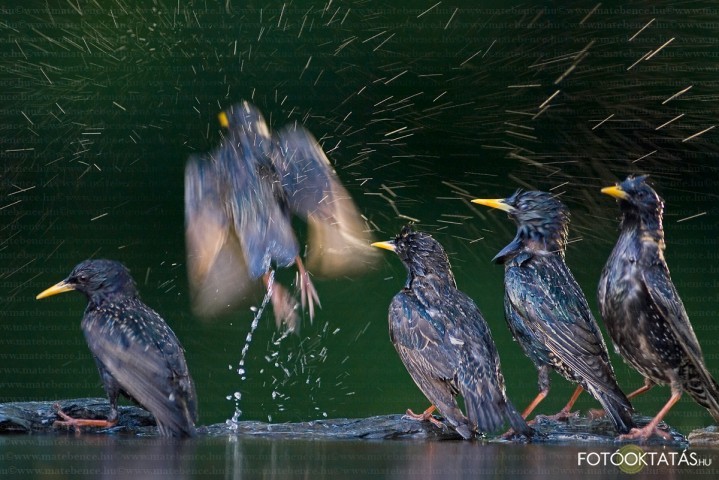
[[489, 414], [705, 391], [619, 410]]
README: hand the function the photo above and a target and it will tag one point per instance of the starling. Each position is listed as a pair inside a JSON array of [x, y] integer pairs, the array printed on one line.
[[546, 310], [136, 352], [642, 310], [445, 343], [239, 202]]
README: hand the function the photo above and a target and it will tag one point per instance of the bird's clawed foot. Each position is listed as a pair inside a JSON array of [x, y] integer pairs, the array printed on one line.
[[284, 307], [561, 416], [425, 416], [68, 422], [308, 293], [644, 433], [595, 413]]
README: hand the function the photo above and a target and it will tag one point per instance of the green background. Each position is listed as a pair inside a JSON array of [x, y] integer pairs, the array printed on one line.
[[420, 108]]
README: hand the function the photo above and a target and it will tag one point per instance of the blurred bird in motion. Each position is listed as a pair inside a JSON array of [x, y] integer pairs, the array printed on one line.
[[642, 310], [445, 343], [546, 310], [239, 202], [136, 352]]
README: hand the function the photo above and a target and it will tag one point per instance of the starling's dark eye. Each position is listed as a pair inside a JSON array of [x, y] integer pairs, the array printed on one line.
[[82, 278]]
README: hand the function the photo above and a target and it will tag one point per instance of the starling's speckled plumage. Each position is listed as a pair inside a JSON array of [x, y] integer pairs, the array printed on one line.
[[239, 201], [444, 341], [546, 310], [641, 307], [136, 352]]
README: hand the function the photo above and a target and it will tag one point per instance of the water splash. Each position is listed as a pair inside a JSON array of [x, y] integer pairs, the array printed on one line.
[[241, 371]]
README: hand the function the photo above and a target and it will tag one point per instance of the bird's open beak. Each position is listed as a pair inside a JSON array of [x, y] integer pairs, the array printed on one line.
[[386, 245], [224, 121], [494, 203], [55, 289], [616, 192]]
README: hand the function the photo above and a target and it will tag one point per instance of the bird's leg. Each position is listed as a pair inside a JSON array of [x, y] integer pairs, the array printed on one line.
[[651, 428], [566, 412], [424, 416], [308, 294], [647, 386], [283, 304], [537, 400], [598, 413], [543, 383], [68, 421], [533, 404]]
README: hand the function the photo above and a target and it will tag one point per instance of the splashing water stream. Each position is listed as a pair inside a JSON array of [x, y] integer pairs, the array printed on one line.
[[237, 396]]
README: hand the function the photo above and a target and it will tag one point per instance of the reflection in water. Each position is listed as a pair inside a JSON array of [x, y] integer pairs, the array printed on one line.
[[250, 458], [94, 456], [237, 458]]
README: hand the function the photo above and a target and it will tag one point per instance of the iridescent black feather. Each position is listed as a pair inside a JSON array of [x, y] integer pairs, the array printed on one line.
[[445, 343]]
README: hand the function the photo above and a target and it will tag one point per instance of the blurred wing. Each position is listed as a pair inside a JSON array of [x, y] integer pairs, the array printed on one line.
[[148, 364], [206, 223], [227, 285], [217, 271], [339, 241]]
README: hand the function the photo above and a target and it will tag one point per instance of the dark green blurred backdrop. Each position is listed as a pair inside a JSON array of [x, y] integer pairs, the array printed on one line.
[[420, 108]]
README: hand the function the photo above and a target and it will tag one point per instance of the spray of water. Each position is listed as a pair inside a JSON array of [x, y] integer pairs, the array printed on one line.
[[237, 396]]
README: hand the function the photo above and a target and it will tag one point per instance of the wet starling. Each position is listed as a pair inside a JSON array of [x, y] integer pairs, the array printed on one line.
[[136, 352], [642, 310], [444, 341], [546, 310], [239, 202]]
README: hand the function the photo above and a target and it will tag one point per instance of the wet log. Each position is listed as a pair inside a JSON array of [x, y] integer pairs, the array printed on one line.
[[705, 437], [38, 417]]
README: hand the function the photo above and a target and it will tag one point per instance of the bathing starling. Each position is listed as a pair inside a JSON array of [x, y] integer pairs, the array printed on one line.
[[136, 352], [239, 202], [642, 310], [546, 310], [444, 341]]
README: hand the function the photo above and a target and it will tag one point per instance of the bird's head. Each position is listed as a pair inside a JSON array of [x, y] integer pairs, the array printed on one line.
[[638, 200], [96, 279], [542, 220], [246, 118], [420, 253]]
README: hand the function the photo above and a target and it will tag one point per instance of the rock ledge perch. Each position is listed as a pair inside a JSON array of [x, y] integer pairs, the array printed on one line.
[[38, 417]]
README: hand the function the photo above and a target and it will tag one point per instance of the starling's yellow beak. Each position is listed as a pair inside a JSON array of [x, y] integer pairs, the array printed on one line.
[[616, 192], [224, 121], [494, 203], [386, 245], [55, 289]]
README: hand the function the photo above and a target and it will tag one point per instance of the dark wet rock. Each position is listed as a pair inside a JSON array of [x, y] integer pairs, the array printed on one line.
[[708, 436], [38, 417]]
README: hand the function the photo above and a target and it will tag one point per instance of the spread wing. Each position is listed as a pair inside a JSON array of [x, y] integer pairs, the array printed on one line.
[[147, 362], [217, 271], [339, 242]]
